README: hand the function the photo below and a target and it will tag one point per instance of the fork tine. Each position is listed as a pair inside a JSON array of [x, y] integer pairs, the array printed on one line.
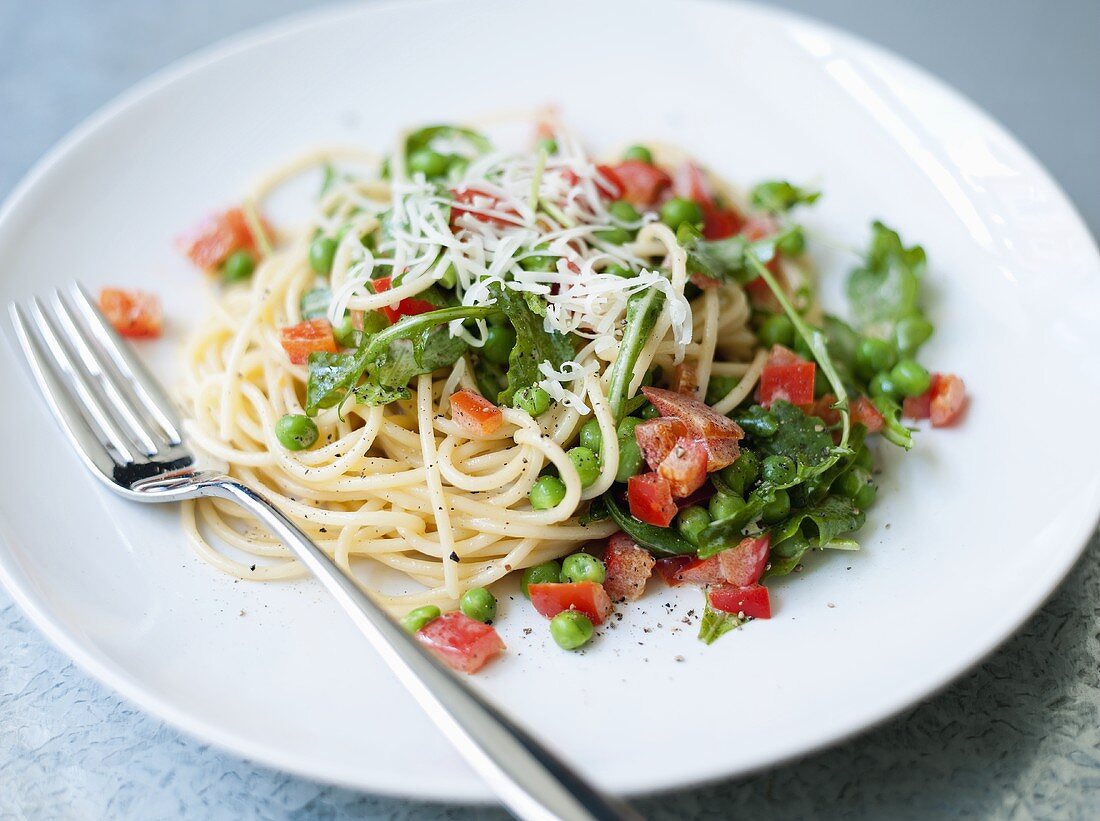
[[81, 388], [125, 407], [81, 430], [128, 366]]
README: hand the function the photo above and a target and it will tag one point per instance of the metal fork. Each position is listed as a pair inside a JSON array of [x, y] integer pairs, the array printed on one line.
[[127, 432]]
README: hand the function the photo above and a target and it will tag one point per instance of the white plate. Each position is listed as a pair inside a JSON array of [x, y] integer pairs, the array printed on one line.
[[975, 527]]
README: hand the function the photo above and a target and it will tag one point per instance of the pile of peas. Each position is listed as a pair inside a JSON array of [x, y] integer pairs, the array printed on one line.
[[569, 629]]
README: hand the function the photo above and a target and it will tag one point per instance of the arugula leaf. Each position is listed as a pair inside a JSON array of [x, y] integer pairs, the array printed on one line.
[[642, 310], [314, 304], [597, 512], [893, 430], [728, 258], [716, 624], [534, 345], [371, 393], [663, 541], [831, 518], [390, 357], [805, 439], [424, 137], [491, 378], [780, 196], [886, 288]]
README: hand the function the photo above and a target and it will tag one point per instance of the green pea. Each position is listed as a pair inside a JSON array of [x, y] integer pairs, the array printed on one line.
[[532, 399], [626, 427], [540, 262], [779, 470], [719, 387], [592, 436], [910, 377], [295, 432], [864, 459], [582, 567], [792, 243], [742, 473], [850, 483], [691, 522], [882, 385], [623, 211], [630, 458], [571, 629], [874, 356], [587, 464], [545, 573], [615, 236], [724, 505], [547, 144], [778, 508], [479, 604], [429, 163], [238, 266], [345, 333], [547, 492], [640, 153], [415, 619], [866, 496], [678, 211], [499, 341], [777, 329], [321, 253], [619, 271], [912, 332], [647, 411]]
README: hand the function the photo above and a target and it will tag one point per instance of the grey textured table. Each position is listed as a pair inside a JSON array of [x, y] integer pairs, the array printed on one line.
[[1018, 737]]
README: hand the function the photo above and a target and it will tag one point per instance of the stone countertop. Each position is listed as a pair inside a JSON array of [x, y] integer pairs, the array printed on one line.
[[1017, 737]]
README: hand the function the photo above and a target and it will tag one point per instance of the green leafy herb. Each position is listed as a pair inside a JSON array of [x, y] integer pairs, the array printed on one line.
[[426, 136], [372, 393], [534, 345], [886, 288], [727, 258], [662, 541], [893, 430], [805, 439], [833, 517], [642, 310], [315, 303], [716, 624], [780, 196]]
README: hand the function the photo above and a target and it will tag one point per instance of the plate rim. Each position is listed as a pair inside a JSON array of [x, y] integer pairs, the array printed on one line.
[[473, 791]]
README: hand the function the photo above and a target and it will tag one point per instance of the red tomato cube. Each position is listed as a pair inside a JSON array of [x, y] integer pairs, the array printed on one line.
[[794, 382], [650, 498], [685, 467], [475, 414], [463, 643], [642, 183], [751, 600], [865, 413], [132, 313], [585, 597], [300, 340], [948, 399], [216, 237]]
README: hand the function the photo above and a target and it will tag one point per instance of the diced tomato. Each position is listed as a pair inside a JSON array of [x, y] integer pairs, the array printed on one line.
[[607, 181], [719, 434], [690, 183], [685, 467], [642, 183], [759, 226], [300, 340], [823, 409], [465, 644], [657, 437], [409, 306], [628, 568], [669, 568], [473, 202], [650, 498], [865, 413], [918, 407], [751, 600], [698, 571], [786, 376], [132, 313], [475, 414], [584, 597], [948, 399], [216, 237], [720, 223], [685, 378], [705, 283]]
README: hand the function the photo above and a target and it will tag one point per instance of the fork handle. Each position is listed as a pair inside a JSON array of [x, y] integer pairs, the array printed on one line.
[[529, 779]]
